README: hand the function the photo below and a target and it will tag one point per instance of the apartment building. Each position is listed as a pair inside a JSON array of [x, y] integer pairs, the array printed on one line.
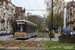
[[7, 14], [70, 14], [20, 13]]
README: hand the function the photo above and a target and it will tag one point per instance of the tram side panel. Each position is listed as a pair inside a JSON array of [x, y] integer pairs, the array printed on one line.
[[31, 30]]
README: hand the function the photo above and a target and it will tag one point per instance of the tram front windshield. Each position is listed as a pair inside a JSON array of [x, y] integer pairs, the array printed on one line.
[[20, 28]]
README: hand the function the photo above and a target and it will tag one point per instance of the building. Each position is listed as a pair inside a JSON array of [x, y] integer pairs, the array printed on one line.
[[70, 14], [20, 13], [8, 11], [11, 16], [49, 4], [23, 14], [1, 14]]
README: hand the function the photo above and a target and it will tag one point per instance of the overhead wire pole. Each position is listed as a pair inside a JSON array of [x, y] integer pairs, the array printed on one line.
[[52, 18], [51, 21]]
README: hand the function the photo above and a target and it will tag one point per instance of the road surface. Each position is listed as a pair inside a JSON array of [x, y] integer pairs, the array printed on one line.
[[8, 37]]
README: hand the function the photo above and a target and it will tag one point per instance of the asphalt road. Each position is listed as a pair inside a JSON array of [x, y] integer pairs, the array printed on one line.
[[7, 37]]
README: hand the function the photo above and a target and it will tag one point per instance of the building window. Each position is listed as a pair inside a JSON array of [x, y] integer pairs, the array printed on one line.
[[4, 3], [4, 13]]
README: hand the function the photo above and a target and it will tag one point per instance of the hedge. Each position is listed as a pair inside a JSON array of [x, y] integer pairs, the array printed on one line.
[[67, 39]]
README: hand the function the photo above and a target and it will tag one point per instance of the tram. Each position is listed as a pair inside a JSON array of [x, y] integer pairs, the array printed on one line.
[[24, 29]]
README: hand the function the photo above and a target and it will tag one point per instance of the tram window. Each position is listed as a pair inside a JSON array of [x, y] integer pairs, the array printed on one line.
[[21, 28]]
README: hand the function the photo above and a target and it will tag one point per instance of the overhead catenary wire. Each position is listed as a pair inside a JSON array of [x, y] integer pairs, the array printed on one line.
[[28, 4], [17, 3], [38, 5]]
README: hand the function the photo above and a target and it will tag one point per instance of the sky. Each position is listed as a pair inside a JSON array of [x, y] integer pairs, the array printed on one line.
[[32, 5], [68, 0]]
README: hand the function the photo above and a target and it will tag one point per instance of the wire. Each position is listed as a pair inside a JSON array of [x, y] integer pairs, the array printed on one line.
[[28, 3], [17, 3], [38, 5]]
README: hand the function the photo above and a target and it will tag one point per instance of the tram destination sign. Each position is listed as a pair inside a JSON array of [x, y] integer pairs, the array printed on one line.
[[20, 23]]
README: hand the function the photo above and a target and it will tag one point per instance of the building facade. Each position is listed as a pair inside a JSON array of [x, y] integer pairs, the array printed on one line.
[[7, 14], [70, 14], [20, 13]]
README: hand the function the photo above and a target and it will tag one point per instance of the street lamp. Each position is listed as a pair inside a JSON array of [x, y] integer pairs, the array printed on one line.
[[51, 21], [52, 17]]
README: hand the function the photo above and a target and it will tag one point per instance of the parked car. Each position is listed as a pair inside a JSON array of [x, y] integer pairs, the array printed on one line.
[[1, 33], [8, 32], [66, 32], [4, 32], [73, 33]]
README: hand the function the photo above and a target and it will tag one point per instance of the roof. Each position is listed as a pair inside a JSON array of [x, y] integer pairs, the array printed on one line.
[[26, 21]]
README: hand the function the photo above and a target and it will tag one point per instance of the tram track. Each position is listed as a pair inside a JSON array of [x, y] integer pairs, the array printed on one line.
[[5, 43], [40, 43], [35, 44], [21, 44]]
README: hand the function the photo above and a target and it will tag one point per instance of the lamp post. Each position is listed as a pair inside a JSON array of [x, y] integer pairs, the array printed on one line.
[[51, 20], [52, 5]]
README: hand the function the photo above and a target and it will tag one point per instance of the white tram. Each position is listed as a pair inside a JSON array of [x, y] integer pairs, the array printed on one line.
[[24, 29]]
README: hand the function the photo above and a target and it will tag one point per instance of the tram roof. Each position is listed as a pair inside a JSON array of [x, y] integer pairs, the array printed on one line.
[[26, 21]]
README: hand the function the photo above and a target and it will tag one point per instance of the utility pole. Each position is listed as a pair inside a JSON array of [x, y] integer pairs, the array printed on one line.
[[28, 15], [51, 21]]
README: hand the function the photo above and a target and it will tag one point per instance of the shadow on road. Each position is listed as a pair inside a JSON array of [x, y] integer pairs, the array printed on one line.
[[25, 38]]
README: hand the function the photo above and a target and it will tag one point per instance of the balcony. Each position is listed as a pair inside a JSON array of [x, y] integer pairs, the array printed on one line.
[[71, 22], [67, 23]]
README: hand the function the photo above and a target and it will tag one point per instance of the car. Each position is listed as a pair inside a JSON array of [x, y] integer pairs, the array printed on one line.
[[4, 32], [73, 33], [1, 33], [66, 32], [8, 32]]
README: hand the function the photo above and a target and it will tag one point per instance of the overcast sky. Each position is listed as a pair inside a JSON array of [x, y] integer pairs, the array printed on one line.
[[32, 5]]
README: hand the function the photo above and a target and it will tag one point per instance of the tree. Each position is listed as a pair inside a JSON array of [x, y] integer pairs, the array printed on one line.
[[37, 20], [58, 13]]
